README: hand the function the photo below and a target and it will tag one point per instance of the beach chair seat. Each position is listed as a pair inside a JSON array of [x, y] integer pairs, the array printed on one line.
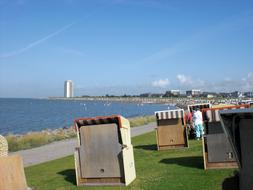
[[219, 149], [171, 131], [105, 153]]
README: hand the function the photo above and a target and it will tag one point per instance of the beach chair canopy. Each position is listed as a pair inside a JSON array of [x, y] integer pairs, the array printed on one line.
[[198, 106], [169, 114], [212, 114]]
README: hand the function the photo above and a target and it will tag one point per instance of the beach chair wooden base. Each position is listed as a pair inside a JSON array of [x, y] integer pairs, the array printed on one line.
[[171, 147]]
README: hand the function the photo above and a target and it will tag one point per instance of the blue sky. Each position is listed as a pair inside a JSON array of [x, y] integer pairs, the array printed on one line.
[[124, 46]]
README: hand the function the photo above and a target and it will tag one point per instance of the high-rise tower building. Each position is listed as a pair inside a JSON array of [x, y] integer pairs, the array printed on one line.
[[68, 89]]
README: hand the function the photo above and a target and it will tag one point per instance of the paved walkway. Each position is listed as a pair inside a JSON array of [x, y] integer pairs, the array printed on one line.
[[64, 148]]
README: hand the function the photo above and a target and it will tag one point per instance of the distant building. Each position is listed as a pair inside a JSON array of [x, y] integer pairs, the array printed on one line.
[[225, 94], [68, 89], [236, 94], [209, 94], [193, 93], [248, 94], [146, 95], [151, 95], [156, 95], [172, 93]]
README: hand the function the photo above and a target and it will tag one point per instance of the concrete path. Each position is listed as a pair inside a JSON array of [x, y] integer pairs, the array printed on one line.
[[64, 148]]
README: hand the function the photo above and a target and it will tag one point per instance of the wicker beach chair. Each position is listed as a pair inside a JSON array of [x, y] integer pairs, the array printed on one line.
[[217, 151], [105, 153], [198, 106], [238, 127], [171, 131], [12, 175]]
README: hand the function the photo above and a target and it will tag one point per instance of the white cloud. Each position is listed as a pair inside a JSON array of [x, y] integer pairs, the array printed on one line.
[[249, 78], [161, 83], [226, 85], [184, 80], [248, 82]]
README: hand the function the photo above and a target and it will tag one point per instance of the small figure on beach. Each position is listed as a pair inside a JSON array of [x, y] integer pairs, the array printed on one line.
[[189, 124], [198, 123]]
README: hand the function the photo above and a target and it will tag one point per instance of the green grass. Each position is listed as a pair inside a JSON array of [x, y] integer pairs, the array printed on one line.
[[143, 120], [36, 139], [172, 169]]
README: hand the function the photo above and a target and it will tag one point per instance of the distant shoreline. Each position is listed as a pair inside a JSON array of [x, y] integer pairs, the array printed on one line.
[[119, 99], [180, 102]]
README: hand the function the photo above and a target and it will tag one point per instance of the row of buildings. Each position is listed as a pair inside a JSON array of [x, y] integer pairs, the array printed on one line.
[[69, 93], [199, 93]]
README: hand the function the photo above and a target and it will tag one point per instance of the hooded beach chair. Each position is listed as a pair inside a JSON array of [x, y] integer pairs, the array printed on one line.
[[217, 151], [198, 106], [171, 131], [105, 153], [238, 127], [12, 175]]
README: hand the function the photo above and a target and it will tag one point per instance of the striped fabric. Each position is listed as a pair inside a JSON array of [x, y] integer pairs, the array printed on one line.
[[97, 121], [213, 113], [200, 106], [169, 114]]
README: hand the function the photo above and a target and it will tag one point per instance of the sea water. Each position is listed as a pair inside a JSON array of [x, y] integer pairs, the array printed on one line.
[[18, 116]]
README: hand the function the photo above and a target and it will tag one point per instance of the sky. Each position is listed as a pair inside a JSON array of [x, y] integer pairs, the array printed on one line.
[[124, 46]]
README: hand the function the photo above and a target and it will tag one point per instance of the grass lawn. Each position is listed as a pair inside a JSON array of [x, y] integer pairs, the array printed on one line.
[[173, 169]]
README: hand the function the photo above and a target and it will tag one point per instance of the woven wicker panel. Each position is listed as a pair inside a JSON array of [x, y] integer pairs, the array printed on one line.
[[3, 146]]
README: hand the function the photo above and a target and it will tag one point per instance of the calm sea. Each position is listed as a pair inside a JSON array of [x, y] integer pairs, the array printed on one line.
[[19, 116]]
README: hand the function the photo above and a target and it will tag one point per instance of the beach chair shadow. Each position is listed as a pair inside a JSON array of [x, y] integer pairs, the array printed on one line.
[[69, 175], [192, 162], [231, 183], [150, 147]]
